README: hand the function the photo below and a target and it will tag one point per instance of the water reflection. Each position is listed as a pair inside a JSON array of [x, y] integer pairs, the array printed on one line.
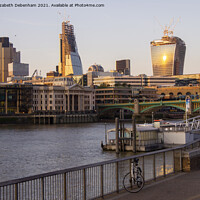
[[33, 149]]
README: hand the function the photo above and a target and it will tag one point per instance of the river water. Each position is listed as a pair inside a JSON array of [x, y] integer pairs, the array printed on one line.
[[27, 150]]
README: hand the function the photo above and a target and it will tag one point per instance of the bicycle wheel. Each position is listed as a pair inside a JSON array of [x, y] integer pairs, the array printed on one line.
[[133, 185]]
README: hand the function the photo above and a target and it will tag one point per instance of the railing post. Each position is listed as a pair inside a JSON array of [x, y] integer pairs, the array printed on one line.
[[102, 181], [64, 185], [143, 168], [164, 172], [42, 188], [130, 165], [181, 164], [174, 161], [192, 145], [154, 166], [16, 191], [84, 183], [117, 177]]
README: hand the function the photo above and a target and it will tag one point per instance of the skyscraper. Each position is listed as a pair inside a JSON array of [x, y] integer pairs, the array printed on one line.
[[168, 55], [123, 66], [70, 62], [10, 58]]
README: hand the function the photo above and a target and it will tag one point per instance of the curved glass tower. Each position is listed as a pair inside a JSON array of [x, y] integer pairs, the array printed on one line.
[[70, 61], [168, 56]]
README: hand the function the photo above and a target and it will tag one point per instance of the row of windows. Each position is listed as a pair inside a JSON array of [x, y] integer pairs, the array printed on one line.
[[50, 96], [111, 96], [179, 93], [56, 108], [48, 91], [36, 96], [58, 102], [113, 91], [46, 108], [50, 102], [58, 96]]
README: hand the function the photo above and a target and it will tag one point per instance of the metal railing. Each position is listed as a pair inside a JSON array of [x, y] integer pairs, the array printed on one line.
[[191, 124], [94, 180]]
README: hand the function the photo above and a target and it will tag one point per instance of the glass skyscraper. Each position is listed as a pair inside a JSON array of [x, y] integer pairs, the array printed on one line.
[[168, 56], [70, 61]]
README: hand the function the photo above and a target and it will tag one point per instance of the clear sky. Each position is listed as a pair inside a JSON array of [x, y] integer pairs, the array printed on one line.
[[119, 30]]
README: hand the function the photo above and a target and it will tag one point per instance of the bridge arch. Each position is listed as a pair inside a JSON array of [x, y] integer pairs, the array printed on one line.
[[196, 109], [161, 106], [112, 108]]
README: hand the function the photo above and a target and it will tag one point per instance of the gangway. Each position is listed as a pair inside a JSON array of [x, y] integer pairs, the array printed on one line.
[[191, 124]]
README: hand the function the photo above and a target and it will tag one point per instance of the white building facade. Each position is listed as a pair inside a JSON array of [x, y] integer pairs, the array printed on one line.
[[73, 98], [135, 81]]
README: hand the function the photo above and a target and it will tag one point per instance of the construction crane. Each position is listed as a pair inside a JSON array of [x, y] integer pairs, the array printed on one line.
[[168, 30], [64, 16], [35, 72], [172, 29]]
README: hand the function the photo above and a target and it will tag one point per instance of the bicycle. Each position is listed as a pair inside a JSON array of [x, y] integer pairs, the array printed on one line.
[[133, 181]]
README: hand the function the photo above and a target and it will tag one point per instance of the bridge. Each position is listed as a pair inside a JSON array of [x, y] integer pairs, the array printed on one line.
[[147, 107]]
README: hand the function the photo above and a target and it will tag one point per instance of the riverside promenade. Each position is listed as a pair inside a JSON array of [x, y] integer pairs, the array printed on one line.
[[181, 186]]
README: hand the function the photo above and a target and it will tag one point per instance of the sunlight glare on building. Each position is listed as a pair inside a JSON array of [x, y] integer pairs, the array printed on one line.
[[164, 58]]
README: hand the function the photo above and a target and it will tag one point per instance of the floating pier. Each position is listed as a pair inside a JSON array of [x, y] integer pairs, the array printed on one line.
[[149, 137]]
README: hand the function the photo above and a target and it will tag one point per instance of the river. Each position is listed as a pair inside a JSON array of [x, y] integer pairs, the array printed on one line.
[[27, 150]]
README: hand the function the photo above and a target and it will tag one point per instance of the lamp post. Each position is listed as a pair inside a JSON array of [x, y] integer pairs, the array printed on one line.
[[152, 118]]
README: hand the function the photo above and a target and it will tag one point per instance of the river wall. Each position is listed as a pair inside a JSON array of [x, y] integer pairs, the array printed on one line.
[[49, 119]]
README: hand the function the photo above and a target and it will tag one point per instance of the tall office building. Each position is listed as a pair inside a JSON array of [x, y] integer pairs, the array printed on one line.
[[10, 61], [168, 55], [123, 66], [70, 62]]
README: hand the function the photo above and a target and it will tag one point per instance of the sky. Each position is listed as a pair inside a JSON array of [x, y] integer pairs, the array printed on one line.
[[119, 30]]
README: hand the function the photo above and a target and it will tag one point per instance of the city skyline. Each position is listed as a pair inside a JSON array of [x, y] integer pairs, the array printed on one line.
[[117, 31]]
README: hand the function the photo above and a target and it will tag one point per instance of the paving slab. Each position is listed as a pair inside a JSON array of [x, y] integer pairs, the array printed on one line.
[[182, 186]]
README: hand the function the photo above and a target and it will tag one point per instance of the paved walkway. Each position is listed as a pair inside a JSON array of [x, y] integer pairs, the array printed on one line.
[[183, 186]]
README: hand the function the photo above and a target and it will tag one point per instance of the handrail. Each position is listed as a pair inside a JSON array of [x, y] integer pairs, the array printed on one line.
[[20, 180]]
